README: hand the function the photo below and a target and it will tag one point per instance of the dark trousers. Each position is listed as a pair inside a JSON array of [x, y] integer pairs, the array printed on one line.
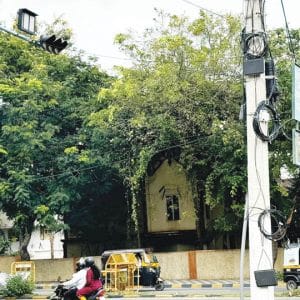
[[70, 294]]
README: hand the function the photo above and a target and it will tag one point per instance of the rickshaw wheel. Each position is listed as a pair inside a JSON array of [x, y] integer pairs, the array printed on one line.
[[159, 286], [291, 285]]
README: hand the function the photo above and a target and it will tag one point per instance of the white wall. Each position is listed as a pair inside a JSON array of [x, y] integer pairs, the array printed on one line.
[[41, 249], [37, 248]]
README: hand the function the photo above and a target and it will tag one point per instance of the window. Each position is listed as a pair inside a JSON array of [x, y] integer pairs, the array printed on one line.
[[172, 207]]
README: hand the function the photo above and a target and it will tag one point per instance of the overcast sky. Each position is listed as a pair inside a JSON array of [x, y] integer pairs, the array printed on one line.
[[96, 22]]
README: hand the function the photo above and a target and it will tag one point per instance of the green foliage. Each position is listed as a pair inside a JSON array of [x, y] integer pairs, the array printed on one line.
[[46, 220], [78, 143], [4, 244], [49, 98], [279, 275], [180, 100], [16, 286]]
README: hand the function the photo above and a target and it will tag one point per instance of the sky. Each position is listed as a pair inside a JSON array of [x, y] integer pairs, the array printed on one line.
[[96, 22]]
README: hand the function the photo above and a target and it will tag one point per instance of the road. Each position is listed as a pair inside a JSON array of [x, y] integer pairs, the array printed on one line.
[[201, 293], [211, 298], [227, 293]]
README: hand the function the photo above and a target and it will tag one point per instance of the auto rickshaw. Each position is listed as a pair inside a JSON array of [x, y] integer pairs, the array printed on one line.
[[291, 266], [129, 268]]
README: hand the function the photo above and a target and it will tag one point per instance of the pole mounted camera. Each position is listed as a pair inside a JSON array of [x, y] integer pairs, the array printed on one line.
[[52, 44]]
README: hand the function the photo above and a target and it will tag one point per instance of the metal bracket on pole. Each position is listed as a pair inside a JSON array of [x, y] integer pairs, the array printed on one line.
[[20, 36]]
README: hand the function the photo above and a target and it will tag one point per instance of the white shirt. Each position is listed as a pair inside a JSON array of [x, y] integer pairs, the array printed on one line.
[[78, 280]]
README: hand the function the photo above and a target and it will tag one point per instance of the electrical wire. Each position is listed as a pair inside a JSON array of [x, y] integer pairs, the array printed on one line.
[[260, 193], [207, 10], [282, 128], [264, 106], [277, 221], [78, 170], [243, 246], [261, 190], [269, 106], [262, 12], [291, 47], [257, 39]]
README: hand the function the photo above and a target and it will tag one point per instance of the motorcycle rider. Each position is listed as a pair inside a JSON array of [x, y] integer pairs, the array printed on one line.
[[77, 281], [93, 282]]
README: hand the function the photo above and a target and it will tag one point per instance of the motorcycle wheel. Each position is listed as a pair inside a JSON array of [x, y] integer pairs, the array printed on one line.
[[159, 286]]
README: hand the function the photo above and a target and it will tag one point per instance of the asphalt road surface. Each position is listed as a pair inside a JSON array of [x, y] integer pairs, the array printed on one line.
[[226, 293]]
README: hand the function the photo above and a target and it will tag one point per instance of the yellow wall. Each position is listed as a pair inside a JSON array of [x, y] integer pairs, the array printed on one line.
[[210, 264], [174, 265], [173, 178]]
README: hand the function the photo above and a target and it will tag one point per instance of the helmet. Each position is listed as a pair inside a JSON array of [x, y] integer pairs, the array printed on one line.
[[80, 264], [89, 261]]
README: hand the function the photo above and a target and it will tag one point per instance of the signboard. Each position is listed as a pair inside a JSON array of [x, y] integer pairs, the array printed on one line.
[[296, 147], [296, 93]]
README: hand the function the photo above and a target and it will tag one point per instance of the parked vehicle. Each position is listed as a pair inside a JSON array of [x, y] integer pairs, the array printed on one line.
[[291, 266], [144, 266]]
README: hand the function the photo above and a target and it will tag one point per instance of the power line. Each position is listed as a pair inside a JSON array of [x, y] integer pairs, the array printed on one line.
[[107, 56], [193, 140], [291, 47], [130, 59], [208, 10]]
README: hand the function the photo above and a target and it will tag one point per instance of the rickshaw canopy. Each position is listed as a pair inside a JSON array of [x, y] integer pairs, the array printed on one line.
[[125, 269], [144, 257]]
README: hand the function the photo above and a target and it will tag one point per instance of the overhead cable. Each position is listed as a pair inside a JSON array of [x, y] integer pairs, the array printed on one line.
[[291, 47], [208, 10]]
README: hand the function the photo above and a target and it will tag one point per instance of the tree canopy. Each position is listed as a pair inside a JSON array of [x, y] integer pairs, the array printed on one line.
[[182, 97], [79, 143], [45, 150]]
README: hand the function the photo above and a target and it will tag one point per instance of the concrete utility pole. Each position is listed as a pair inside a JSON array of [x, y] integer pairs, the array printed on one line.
[[260, 248]]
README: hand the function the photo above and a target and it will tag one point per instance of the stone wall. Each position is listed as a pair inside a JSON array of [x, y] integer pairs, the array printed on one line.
[[201, 264], [208, 264]]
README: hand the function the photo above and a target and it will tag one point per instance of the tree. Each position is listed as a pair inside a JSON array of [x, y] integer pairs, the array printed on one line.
[[181, 97], [285, 197], [49, 98], [84, 153], [47, 221]]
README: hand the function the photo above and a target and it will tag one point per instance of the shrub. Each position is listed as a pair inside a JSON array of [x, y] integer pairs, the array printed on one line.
[[279, 275], [17, 286]]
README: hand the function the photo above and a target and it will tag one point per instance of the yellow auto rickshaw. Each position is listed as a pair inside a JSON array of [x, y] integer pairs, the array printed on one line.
[[130, 268], [291, 268]]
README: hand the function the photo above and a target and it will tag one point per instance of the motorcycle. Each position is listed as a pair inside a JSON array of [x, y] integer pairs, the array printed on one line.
[[60, 291]]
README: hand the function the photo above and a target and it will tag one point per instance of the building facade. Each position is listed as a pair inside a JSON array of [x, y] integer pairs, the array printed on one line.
[[170, 209]]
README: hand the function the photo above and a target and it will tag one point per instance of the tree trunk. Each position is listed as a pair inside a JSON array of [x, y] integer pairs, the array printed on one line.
[[200, 219], [23, 247], [52, 245]]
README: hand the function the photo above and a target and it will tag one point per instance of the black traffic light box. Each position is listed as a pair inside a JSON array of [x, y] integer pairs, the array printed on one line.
[[53, 44]]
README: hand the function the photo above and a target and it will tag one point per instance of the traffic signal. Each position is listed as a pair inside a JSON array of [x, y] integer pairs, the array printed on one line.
[[53, 44]]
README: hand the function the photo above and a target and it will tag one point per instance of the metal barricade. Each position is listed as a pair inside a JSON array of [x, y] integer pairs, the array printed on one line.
[[120, 272], [26, 269]]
